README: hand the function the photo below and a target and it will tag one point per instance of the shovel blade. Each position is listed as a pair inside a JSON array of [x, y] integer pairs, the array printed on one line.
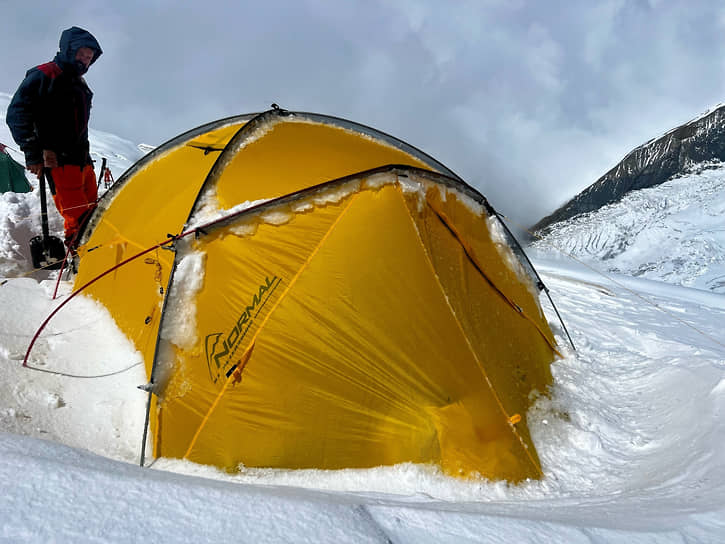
[[47, 253]]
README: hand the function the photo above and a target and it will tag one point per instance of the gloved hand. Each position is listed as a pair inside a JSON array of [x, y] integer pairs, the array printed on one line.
[[50, 160], [35, 168]]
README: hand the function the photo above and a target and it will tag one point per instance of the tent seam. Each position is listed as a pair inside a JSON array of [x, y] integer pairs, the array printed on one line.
[[511, 426], [471, 256]]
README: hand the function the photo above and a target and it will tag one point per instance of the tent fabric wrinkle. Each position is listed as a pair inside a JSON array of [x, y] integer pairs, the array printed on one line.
[[331, 297]]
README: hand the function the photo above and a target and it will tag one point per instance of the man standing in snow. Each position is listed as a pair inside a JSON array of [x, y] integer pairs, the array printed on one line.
[[48, 118]]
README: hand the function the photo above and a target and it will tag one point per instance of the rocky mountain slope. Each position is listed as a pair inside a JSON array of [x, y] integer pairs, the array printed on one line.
[[698, 142]]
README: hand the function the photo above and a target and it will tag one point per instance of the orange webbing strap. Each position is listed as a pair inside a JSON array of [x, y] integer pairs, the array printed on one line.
[[118, 240], [232, 378]]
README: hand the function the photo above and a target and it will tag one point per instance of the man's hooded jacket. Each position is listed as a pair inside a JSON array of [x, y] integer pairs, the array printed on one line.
[[51, 108]]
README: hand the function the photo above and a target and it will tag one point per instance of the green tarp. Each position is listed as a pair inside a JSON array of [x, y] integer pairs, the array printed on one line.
[[12, 175]]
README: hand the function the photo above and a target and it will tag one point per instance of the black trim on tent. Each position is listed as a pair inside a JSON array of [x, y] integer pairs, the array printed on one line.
[[265, 117], [207, 149], [387, 138], [252, 120], [249, 126], [150, 385], [401, 170], [177, 141]]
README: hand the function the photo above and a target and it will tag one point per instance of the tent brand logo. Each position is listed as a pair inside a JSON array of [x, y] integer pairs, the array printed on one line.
[[220, 348]]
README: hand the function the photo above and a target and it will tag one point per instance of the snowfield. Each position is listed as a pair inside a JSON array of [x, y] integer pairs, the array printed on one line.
[[630, 437], [674, 232]]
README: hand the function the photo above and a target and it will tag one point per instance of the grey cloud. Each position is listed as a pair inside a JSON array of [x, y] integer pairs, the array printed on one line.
[[528, 101]]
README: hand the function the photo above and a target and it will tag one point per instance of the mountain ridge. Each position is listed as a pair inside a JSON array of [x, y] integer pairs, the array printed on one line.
[[697, 142], [672, 232]]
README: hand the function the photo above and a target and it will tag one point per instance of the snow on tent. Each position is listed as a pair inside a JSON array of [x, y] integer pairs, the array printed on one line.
[[12, 174], [308, 292]]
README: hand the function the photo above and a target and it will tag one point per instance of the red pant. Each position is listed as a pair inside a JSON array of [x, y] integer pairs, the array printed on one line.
[[76, 193]]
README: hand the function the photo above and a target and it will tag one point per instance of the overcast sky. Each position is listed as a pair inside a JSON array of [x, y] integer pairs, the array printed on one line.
[[530, 101]]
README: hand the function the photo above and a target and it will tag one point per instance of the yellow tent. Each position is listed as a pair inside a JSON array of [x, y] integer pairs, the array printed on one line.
[[308, 292]]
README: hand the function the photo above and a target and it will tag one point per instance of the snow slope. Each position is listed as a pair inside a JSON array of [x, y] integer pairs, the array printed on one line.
[[630, 438]]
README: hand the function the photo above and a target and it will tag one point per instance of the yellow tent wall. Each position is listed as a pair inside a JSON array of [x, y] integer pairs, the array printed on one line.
[[371, 320], [147, 204]]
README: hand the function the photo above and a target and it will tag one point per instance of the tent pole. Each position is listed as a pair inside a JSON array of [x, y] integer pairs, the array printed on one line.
[[542, 286], [145, 430]]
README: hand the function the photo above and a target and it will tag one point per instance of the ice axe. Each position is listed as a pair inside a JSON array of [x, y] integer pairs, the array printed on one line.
[[46, 251]]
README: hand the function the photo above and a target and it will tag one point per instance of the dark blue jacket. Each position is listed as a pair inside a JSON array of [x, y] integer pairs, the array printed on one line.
[[51, 108]]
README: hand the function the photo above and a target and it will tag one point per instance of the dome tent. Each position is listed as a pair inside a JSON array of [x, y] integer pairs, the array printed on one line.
[[308, 292], [12, 174]]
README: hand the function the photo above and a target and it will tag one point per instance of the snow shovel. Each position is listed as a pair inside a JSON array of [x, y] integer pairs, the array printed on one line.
[[46, 251]]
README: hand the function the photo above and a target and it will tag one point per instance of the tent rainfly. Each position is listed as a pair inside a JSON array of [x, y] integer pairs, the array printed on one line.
[[12, 174], [308, 292]]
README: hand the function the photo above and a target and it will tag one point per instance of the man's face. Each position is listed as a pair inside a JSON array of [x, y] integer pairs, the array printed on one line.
[[85, 56]]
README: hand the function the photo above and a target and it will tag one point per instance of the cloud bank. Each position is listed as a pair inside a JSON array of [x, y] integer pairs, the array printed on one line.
[[528, 101]]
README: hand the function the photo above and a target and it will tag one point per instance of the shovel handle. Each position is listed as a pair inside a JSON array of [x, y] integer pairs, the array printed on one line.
[[43, 206]]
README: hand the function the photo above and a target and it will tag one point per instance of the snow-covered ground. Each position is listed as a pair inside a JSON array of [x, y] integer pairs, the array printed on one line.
[[674, 232], [630, 438]]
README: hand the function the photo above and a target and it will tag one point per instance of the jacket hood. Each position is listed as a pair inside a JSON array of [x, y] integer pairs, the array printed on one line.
[[73, 39]]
